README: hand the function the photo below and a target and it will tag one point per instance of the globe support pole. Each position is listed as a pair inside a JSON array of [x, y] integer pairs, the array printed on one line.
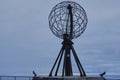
[[66, 53], [67, 67]]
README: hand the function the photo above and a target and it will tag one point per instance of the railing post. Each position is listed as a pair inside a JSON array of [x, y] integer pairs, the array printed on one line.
[[29, 78], [0, 78], [15, 77]]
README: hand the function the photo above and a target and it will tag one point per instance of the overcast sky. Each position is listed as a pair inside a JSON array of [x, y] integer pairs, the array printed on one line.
[[27, 44]]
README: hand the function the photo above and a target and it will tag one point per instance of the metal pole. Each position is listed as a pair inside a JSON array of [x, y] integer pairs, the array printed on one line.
[[81, 70], [71, 20], [50, 74], [59, 62]]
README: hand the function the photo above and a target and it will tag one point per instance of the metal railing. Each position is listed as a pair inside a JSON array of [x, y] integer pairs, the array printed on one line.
[[29, 78], [15, 77]]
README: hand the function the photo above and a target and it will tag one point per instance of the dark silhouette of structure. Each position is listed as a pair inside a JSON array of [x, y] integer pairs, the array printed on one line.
[[67, 21], [102, 74], [35, 75]]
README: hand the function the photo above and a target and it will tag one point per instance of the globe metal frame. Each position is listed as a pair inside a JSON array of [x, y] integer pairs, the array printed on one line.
[[59, 19]]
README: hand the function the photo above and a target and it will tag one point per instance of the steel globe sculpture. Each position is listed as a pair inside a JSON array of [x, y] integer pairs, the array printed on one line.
[[60, 19], [67, 21]]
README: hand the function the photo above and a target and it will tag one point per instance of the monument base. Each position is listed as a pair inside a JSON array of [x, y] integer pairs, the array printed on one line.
[[68, 78]]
